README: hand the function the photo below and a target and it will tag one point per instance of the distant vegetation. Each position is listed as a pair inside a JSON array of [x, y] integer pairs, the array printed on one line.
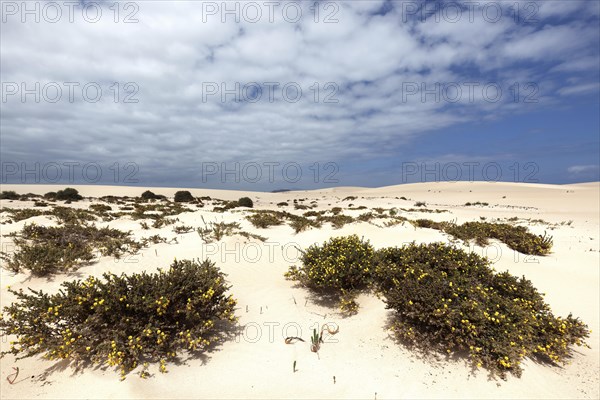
[[516, 237], [9, 195], [148, 195], [245, 202], [183, 196]]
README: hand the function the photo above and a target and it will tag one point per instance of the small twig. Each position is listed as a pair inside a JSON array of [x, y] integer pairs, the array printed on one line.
[[16, 374], [290, 339]]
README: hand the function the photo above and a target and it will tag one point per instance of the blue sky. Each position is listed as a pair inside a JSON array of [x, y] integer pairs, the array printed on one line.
[[196, 95]]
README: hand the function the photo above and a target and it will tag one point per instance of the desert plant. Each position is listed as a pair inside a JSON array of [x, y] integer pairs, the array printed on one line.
[[49, 250], [9, 195], [245, 202], [420, 204], [122, 321], [300, 224], [183, 196], [68, 194], [148, 195], [100, 208], [448, 300], [342, 264], [266, 219], [315, 341], [337, 220], [182, 229], [216, 230]]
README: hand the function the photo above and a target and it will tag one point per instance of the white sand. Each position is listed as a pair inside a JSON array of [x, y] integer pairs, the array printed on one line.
[[364, 359]]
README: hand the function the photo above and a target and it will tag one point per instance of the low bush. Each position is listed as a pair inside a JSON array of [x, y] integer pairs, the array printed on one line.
[[337, 221], [245, 202], [282, 204], [516, 237], [20, 214], [148, 195], [225, 206], [342, 264], [68, 194], [300, 224], [123, 321], [215, 231], [9, 195], [100, 208], [266, 219], [49, 250], [182, 229], [183, 196], [448, 300]]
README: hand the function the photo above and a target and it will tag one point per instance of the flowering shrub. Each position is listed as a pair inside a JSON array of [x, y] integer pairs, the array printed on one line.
[[122, 321], [451, 300], [343, 264]]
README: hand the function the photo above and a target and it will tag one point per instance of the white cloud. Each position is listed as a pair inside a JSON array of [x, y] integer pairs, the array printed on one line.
[[582, 169], [174, 51]]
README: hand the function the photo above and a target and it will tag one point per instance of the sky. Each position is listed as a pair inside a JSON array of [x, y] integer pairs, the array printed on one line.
[[267, 95]]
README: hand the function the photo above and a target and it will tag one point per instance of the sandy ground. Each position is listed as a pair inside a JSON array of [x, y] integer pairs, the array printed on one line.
[[362, 360]]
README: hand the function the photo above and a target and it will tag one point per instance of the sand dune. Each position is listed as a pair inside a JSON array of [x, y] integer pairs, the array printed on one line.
[[364, 359]]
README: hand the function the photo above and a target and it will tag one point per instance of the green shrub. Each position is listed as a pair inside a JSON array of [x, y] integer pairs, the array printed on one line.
[[516, 237], [216, 230], [49, 250], [182, 229], [50, 196], [282, 204], [68, 215], [245, 202], [300, 224], [448, 300], [156, 210], [100, 208], [337, 220], [266, 219], [122, 321], [183, 196], [342, 264], [68, 194], [9, 195], [148, 195], [226, 205]]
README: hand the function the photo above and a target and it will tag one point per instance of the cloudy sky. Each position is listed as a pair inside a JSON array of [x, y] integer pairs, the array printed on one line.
[[278, 94]]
